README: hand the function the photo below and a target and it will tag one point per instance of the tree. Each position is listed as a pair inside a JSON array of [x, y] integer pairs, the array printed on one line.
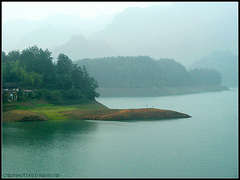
[[13, 55], [77, 77], [63, 72], [89, 84], [33, 68], [4, 56]]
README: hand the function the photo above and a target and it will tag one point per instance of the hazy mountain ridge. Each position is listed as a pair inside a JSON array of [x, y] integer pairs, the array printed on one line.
[[49, 32], [80, 47], [144, 71], [182, 31], [224, 62]]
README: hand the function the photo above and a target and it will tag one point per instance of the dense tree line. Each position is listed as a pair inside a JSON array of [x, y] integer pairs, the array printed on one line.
[[33, 68], [145, 72]]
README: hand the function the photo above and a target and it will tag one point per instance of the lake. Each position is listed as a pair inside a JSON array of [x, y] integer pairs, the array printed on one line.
[[205, 145]]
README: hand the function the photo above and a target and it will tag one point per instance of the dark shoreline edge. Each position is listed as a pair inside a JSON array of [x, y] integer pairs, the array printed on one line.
[[157, 92]]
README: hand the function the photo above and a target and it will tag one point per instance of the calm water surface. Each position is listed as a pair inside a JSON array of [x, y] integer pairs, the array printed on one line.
[[205, 145]]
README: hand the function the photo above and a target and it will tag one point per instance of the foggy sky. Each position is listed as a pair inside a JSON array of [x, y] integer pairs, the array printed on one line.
[[183, 31], [86, 10]]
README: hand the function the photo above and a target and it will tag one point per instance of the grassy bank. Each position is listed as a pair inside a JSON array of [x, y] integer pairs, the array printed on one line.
[[41, 111]]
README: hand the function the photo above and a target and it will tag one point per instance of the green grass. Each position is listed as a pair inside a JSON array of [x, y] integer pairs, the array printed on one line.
[[51, 111], [56, 112]]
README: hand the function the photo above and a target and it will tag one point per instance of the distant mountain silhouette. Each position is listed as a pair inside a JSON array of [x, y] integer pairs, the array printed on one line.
[[183, 31], [79, 47], [224, 62], [49, 32]]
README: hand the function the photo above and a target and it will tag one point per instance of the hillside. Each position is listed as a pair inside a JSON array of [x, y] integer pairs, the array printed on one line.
[[145, 76]]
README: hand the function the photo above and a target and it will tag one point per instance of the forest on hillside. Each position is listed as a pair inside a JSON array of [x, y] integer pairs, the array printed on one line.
[[33, 69], [144, 71]]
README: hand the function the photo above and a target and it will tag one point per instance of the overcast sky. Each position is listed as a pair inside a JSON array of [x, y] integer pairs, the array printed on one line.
[[39, 10]]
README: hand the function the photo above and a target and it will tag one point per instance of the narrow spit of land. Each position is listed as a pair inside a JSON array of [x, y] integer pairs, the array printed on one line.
[[41, 111]]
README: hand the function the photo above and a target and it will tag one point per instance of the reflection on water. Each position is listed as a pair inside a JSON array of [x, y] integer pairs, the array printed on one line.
[[42, 133], [43, 148]]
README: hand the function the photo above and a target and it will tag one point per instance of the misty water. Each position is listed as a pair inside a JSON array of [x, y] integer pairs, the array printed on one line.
[[205, 145]]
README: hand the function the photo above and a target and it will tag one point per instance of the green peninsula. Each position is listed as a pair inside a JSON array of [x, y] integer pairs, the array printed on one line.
[[41, 111]]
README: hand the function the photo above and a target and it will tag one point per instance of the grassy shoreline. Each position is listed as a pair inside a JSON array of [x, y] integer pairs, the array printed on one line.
[[42, 111]]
